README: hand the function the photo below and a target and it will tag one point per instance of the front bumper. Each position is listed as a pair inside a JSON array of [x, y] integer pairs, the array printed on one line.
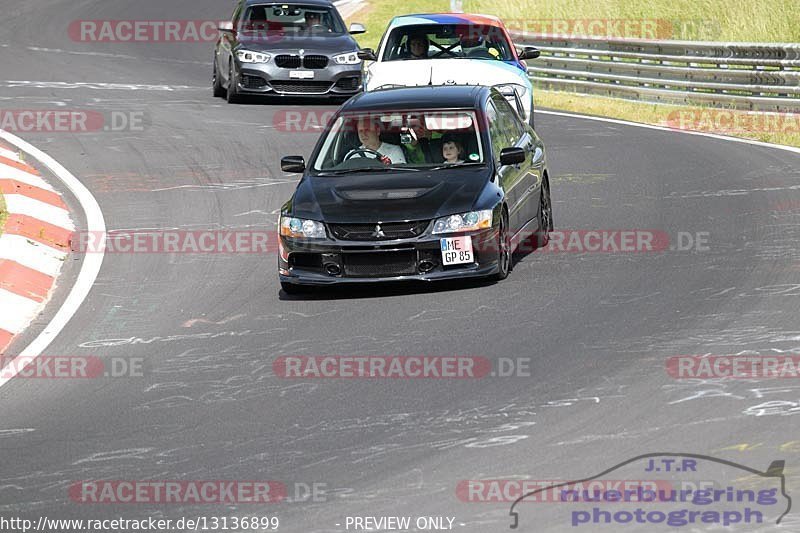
[[333, 261], [268, 78]]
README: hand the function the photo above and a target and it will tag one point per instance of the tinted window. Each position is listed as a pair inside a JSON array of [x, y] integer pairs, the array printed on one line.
[[509, 119]]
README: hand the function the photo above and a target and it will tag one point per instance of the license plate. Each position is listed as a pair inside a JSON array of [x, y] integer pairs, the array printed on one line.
[[301, 74], [456, 250]]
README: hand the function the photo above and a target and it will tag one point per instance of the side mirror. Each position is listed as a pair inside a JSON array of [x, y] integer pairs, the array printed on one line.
[[512, 155], [356, 28], [293, 163], [529, 52], [226, 26], [367, 54]]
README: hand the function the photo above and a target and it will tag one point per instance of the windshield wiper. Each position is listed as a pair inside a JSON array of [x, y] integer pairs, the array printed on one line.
[[456, 165], [365, 169]]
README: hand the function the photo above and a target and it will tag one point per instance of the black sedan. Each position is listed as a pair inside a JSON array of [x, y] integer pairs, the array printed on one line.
[[289, 49], [417, 183]]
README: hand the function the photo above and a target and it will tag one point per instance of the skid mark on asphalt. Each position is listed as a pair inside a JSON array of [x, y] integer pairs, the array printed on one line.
[[10, 84], [115, 455], [191, 322]]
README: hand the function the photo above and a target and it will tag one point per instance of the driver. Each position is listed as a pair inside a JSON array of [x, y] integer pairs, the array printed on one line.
[[314, 20], [369, 135], [418, 46]]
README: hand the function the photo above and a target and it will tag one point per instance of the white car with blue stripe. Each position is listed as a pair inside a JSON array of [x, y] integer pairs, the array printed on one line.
[[451, 49]]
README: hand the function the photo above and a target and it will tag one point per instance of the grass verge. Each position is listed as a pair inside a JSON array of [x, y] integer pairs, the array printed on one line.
[[701, 119], [3, 213], [704, 20]]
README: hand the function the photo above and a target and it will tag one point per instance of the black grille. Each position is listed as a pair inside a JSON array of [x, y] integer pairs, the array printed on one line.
[[287, 61], [306, 87], [314, 61], [253, 82], [348, 84], [369, 232], [380, 264]]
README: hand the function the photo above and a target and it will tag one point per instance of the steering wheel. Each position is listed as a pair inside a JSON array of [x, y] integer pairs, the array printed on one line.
[[361, 152]]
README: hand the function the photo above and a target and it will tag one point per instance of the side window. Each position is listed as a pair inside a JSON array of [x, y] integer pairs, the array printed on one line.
[[497, 133], [509, 120]]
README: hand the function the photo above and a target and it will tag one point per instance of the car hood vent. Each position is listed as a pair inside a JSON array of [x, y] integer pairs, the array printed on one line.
[[383, 194]]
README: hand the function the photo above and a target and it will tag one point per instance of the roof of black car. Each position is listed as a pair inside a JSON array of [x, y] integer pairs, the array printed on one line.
[[420, 97], [291, 3]]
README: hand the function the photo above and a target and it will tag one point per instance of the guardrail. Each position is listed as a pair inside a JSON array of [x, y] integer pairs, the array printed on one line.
[[754, 76]]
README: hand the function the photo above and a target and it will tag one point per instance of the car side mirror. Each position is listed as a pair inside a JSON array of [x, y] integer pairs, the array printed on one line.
[[226, 26], [356, 28], [367, 54], [513, 155], [293, 163], [530, 52]]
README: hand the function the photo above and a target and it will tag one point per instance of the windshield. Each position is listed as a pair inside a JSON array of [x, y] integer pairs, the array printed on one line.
[[447, 41], [400, 140], [291, 18]]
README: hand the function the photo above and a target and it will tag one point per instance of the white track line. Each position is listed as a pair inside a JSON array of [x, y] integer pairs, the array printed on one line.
[[673, 130], [90, 267]]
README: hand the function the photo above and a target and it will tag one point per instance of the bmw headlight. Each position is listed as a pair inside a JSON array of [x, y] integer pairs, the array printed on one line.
[[471, 221], [248, 56], [349, 58], [302, 228]]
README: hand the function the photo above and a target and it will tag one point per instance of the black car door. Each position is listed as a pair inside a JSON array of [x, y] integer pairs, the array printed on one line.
[[531, 170], [504, 134]]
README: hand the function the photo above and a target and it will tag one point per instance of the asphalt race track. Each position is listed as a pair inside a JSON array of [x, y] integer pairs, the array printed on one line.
[[597, 327]]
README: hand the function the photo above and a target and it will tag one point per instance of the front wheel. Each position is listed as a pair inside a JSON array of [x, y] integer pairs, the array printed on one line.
[[503, 250], [216, 83], [233, 95], [545, 214]]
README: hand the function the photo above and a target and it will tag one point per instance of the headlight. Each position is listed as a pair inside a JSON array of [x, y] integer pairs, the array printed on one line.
[[350, 58], [248, 56], [301, 228], [464, 222]]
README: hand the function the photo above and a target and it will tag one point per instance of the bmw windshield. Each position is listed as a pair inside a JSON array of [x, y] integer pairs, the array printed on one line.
[[448, 41]]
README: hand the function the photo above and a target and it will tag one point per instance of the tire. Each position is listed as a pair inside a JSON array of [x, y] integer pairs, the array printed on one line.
[[216, 84], [232, 95], [291, 288], [503, 250], [545, 214]]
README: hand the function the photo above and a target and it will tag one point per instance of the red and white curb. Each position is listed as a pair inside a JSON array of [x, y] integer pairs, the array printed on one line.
[[33, 246]]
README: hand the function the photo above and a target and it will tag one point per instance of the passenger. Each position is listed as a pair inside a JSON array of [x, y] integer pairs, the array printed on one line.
[[452, 150]]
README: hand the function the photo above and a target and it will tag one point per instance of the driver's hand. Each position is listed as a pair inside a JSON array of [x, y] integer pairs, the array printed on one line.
[[385, 160]]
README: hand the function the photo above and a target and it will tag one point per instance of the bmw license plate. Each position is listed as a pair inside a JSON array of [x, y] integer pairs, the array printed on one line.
[[456, 250], [301, 74]]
